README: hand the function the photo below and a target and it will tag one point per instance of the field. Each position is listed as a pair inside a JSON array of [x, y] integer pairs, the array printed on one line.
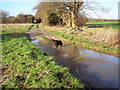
[[100, 24], [25, 66]]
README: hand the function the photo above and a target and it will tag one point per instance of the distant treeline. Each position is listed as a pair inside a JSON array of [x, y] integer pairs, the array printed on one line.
[[21, 18], [111, 20]]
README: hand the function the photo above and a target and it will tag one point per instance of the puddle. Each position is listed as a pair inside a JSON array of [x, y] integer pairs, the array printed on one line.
[[92, 54], [91, 67]]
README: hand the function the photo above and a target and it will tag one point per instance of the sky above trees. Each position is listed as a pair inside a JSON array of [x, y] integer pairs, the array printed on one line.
[[15, 7]]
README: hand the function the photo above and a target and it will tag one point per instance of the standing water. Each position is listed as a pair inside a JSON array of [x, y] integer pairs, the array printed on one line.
[[98, 70]]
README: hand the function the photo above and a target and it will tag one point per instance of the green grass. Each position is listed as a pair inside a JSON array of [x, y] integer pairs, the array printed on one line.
[[74, 38], [35, 27], [101, 24], [24, 65]]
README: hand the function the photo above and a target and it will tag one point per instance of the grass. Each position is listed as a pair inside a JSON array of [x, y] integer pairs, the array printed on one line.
[[74, 37], [35, 27], [25, 66], [101, 24]]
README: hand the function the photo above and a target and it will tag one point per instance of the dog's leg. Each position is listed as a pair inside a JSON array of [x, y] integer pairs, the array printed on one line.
[[56, 45]]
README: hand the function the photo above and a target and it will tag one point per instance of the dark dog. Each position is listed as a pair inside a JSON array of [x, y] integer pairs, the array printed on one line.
[[58, 42]]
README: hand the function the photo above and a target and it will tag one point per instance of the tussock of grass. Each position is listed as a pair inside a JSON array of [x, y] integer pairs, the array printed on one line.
[[24, 65]]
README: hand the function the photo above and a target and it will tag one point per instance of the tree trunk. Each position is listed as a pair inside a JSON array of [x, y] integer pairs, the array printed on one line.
[[72, 20]]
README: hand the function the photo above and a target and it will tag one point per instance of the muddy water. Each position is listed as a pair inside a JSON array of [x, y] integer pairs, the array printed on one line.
[[98, 70]]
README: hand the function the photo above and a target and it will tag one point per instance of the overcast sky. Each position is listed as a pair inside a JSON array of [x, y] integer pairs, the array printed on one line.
[[15, 7]]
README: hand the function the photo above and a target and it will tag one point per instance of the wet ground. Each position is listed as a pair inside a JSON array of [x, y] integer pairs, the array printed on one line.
[[96, 69]]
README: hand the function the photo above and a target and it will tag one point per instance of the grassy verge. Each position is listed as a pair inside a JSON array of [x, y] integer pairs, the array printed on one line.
[[75, 38], [24, 65]]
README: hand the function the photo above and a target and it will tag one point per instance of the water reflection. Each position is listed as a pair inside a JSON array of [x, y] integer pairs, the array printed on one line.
[[35, 42], [91, 66], [91, 54]]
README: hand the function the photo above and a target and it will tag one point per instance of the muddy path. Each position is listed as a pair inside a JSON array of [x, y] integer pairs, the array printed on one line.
[[96, 69]]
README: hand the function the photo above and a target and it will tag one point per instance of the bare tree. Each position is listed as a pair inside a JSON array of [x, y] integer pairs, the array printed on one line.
[[3, 16], [69, 11], [80, 21]]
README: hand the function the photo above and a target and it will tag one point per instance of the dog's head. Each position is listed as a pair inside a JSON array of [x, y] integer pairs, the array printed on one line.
[[53, 39]]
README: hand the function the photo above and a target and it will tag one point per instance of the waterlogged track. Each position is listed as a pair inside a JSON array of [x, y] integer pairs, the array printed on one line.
[[98, 70]]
